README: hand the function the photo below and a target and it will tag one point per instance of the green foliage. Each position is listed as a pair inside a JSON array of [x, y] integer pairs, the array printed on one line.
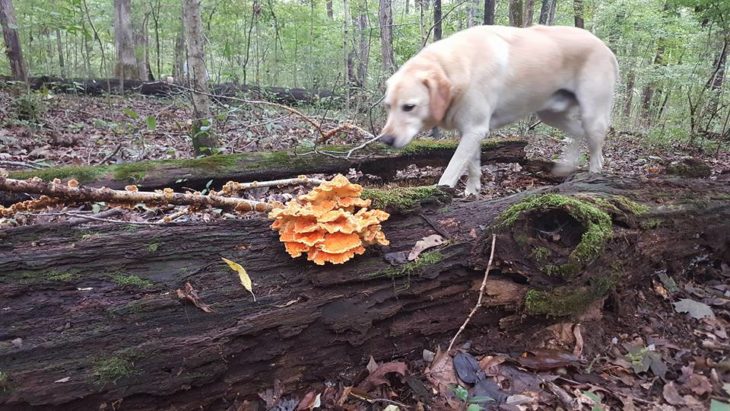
[[28, 107], [111, 370], [404, 199], [568, 300], [127, 280]]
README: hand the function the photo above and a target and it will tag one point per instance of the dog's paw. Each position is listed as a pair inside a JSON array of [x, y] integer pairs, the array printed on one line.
[[563, 169]]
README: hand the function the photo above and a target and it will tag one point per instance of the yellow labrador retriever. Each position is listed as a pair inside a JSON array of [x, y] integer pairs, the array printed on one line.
[[486, 77]]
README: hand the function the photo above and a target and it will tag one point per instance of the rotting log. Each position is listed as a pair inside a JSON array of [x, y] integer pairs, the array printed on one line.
[[282, 95], [376, 159], [90, 317]]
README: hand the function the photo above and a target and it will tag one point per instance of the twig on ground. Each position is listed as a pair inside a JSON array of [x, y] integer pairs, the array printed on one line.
[[55, 191], [481, 294], [233, 187], [113, 153], [88, 217], [8, 163]]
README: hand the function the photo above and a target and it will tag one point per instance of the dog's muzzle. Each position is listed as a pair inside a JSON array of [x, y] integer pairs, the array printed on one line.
[[388, 139]]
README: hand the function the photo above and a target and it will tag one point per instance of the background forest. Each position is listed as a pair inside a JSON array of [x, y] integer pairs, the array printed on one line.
[[672, 53]]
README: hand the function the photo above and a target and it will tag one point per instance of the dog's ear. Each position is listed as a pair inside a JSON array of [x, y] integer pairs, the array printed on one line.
[[439, 88]]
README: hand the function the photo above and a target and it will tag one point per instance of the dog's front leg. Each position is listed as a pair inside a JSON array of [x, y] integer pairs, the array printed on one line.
[[474, 174], [469, 147]]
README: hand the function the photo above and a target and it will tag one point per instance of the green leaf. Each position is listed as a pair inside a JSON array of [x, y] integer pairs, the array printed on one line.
[[151, 123], [461, 392], [130, 113], [474, 407], [716, 405]]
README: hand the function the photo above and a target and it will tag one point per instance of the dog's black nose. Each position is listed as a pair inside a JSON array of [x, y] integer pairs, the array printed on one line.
[[387, 139]]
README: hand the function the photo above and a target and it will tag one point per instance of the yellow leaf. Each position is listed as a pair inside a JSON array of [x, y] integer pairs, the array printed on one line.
[[242, 275]]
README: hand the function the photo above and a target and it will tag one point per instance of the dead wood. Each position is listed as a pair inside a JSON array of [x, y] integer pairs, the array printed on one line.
[[375, 159], [91, 316]]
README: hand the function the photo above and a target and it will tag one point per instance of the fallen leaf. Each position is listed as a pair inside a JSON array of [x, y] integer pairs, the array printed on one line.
[[671, 395], [310, 401], [542, 360], [441, 372], [64, 379], [699, 384], [378, 377], [578, 349], [487, 391], [694, 308], [467, 368], [189, 294], [717, 405], [242, 275], [391, 407], [424, 244], [372, 365]]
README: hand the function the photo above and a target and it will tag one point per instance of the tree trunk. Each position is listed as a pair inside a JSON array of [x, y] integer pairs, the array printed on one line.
[[12, 40], [437, 26], [178, 66], [330, 10], [489, 9], [471, 18], [546, 11], [126, 67], [516, 10], [578, 13], [385, 19], [529, 12], [59, 49], [204, 141], [377, 160], [95, 322]]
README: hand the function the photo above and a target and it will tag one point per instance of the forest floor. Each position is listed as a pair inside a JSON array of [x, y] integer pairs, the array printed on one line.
[[644, 356]]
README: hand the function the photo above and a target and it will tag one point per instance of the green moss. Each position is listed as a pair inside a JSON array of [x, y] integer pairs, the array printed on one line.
[[132, 172], [111, 370], [412, 267], [564, 301], [62, 276], [597, 224], [651, 223], [131, 281], [4, 381], [152, 248], [421, 146], [404, 199], [211, 163], [81, 173], [541, 255], [629, 205]]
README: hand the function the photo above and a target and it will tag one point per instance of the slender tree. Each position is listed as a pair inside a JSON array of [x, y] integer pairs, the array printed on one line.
[[578, 11], [547, 11], [489, 9], [529, 12], [437, 26], [204, 141], [516, 10], [385, 19], [126, 67], [12, 40]]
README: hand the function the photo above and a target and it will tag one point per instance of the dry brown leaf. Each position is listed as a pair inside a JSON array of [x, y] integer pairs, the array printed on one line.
[[578, 350], [441, 373], [191, 295], [424, 244], [378, 377]]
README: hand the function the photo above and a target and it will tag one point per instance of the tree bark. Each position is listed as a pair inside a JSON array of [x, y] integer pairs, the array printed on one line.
[[529, 12], [204, 141], [377, 160], [489, 9], [578, 13], [385, 19], [126, 67], [437, 25], [59, 50], [546, 10], [516, 10], [12, 40], [94, 320], [330, 10]]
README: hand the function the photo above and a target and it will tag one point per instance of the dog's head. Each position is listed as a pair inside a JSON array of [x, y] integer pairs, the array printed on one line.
[[416, 99]]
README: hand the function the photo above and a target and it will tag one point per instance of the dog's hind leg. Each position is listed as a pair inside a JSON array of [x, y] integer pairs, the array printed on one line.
[[568, 121], [595, 96]]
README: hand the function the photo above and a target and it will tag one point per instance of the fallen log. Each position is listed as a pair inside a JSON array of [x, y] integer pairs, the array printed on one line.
[[282, 95], [90, 314], [376, 159]]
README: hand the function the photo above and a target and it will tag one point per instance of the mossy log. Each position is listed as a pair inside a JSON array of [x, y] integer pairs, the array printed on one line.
[[282, 95], [376, 159], [90, 314]]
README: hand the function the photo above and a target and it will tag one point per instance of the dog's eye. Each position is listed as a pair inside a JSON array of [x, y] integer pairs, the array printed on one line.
[[408, 107]]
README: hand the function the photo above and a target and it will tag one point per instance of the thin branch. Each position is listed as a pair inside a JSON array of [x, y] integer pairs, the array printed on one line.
[[481, 294], [233, 187], [8, 163]]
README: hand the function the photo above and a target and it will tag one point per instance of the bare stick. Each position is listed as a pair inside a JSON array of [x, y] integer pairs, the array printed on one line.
[[57, 190], [8, 163], [233, 187], [481, 294], [89, 217]]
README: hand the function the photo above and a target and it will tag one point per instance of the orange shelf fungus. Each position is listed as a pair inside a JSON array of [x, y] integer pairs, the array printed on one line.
[[330, 224]]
